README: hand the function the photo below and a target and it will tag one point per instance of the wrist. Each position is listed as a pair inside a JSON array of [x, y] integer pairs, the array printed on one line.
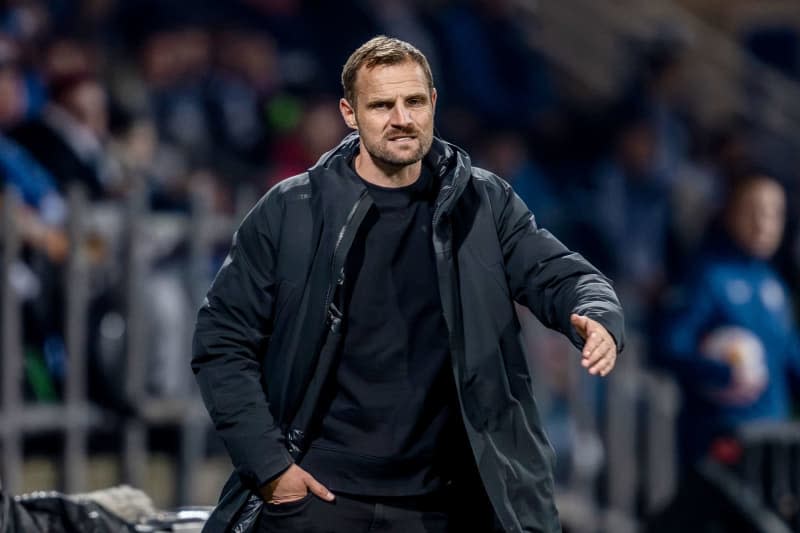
[[269, 485]]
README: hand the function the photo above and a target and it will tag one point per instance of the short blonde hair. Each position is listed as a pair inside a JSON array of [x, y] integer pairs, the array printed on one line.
[[381, 50]]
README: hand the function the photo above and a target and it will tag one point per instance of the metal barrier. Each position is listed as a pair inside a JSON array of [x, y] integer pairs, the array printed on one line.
[[770, 467], [74, 418], [11, 362]]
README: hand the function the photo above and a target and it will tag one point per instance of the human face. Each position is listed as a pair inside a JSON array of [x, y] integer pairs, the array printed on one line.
[[757, 217], [393, 114], [12, 96], [87, 102]]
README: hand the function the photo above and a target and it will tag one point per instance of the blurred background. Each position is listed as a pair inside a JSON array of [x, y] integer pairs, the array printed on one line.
[[660, 139]]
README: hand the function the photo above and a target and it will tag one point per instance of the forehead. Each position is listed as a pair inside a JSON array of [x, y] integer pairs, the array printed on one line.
[[762, 192], [387, 81]]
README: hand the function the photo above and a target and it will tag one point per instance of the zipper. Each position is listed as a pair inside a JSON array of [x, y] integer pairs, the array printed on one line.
[[296, 437], [445, 193], [357, 208], [438, 244]]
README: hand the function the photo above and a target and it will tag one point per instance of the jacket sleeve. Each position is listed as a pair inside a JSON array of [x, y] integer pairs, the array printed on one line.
[[549, 279], [232, 329]]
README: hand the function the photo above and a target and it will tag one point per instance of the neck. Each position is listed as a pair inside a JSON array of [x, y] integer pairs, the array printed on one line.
[[384, 174]]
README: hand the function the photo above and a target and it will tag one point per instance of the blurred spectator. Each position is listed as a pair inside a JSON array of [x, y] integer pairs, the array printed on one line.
[[69, 137], [66, 57], [507, 155], [30, 23], [406, 20], [698, 187], [630, 211], [730, 336], [35, 185], [320, 127], [658, 91], [492, 70], [176, 64], [245, 77], [38, 218], [13, 97], [336, 28]]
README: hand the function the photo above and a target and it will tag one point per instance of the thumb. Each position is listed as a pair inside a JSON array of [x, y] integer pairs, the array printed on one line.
[[318, 488], [580, 323]]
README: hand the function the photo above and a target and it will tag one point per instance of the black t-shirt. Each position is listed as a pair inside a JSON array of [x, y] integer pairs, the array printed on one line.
[[389, 428]]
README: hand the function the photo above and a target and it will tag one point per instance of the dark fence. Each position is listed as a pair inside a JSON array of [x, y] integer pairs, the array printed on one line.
[[74, 418]]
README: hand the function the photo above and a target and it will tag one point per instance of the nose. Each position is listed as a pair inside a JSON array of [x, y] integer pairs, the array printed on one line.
[[400, 115]]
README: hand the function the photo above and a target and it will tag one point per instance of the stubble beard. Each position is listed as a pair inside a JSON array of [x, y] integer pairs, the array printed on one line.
[[381, 154]]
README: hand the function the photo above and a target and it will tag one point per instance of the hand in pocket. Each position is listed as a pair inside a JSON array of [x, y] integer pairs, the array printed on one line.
[[294, 484]]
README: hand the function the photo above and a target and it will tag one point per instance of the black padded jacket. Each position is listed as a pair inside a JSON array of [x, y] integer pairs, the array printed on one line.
[[264, 329]]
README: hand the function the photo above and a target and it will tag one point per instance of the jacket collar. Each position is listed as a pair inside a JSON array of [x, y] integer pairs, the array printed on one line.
[[450, 164]]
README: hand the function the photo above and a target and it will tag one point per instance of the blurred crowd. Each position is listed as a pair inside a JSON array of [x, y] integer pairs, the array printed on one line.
[[196, 98]]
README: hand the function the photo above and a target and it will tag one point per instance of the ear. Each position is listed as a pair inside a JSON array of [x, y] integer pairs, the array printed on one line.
[[433, 98], [348, 114]]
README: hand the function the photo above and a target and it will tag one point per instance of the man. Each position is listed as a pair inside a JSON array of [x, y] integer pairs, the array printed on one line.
[[359, 352]]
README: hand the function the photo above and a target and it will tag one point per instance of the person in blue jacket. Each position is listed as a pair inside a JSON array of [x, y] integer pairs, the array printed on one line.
[[731, 338]]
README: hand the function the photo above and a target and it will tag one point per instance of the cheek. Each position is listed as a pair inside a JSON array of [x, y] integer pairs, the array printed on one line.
[[374, 126], [775, 230], [426, 118]]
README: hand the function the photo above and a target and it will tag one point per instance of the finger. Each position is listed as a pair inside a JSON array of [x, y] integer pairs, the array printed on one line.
[[598, 359], [318, 488], [605, 366], [598, 368], [593, 340], [288, 498], [595, 347]]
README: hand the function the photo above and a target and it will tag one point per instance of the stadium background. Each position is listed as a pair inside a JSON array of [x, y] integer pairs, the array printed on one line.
[[189, 110]]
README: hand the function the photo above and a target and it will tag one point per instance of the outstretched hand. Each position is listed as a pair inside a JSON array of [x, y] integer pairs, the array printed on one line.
[[599, 353]]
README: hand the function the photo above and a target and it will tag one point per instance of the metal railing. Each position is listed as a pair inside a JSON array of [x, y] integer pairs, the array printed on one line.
[[74, 419], [11, 362]]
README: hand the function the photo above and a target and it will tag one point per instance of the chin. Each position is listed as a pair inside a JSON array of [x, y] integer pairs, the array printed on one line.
[[763, 252], [401, 160]]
